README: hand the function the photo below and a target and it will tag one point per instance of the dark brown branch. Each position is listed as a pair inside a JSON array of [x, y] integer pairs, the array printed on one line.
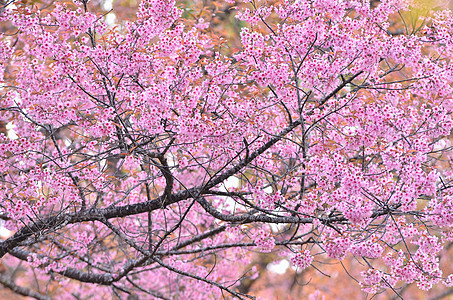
[[21, 290], [104, 279], [134, 209]]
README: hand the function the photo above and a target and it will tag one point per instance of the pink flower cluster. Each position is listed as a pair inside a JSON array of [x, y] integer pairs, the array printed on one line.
[[264, 240], [367, 249], [302, 259], [338, 247]]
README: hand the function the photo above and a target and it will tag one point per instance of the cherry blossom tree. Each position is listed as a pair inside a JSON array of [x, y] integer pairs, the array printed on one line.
[[152, 159]]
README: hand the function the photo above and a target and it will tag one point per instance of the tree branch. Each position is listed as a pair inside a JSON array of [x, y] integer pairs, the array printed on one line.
[[21, 290]]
